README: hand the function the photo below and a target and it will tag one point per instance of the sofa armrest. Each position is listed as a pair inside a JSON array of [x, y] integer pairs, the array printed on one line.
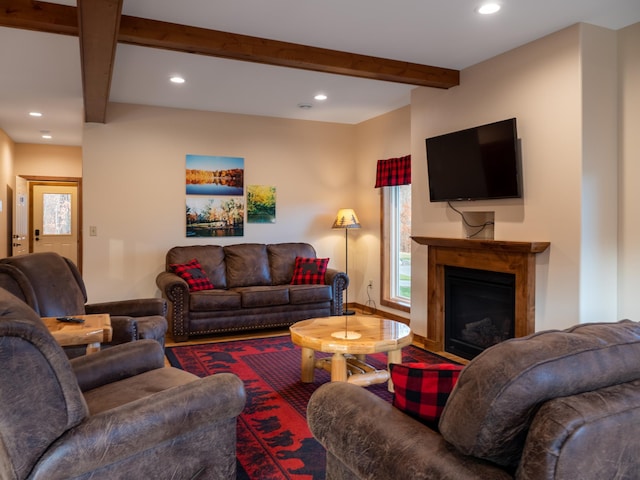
[[141, 307], [374, 440], [117, 439], [339, 282], [117, 363], [176, 291]]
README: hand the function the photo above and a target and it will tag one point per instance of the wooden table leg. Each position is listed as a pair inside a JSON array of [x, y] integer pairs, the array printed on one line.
[[308, 365], [338, 368], [393, 356], [93, 348]]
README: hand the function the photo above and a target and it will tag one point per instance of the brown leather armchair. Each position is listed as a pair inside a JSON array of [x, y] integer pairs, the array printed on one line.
[[115, 414], [559, 405], [52, 285]]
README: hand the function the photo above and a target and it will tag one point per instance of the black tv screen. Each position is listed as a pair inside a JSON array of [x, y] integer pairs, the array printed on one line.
[[475, 164]]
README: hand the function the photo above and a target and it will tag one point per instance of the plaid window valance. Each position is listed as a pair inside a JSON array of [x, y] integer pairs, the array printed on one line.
[[393, 172]]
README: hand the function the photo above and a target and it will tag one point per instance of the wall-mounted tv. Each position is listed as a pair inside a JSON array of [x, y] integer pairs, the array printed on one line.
[[475, 164]]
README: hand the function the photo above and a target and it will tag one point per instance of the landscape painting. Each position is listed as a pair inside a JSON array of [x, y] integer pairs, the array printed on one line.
[[216, 216], [214, 175], [261, 204]]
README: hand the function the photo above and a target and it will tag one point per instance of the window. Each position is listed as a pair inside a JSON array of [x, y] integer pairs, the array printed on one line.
[[56, 214], [394, 177], [396, 247]]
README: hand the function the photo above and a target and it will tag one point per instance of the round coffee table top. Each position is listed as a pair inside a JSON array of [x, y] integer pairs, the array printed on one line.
[[355, 334]]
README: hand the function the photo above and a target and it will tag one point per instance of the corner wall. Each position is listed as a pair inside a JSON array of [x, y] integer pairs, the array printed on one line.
[[7, 182]]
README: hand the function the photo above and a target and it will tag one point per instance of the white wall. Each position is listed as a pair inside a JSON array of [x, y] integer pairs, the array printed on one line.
[[134, 187], [540, 84], [629, 172]]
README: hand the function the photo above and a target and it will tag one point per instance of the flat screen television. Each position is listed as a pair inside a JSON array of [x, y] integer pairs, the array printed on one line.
[[475, 164]]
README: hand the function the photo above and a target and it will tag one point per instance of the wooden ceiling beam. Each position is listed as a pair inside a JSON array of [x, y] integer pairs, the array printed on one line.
[[182, 38], [100, 25], [99, 22]]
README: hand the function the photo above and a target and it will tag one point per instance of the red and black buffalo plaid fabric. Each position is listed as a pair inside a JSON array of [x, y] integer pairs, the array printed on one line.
[[393, 172], [309, 271], [422, 389], [193, 274]]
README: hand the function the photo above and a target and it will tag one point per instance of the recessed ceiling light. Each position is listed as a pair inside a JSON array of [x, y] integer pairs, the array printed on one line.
[[320, 96], [489, 8], [47, 136], [177, 79], [35, 114]]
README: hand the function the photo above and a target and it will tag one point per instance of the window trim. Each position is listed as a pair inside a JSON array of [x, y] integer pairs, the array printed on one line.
[[385, 274]]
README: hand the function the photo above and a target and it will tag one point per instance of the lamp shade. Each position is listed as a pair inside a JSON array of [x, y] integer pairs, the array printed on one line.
[[346, 218]]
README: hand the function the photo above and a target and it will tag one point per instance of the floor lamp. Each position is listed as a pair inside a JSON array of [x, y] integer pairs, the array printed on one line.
[[346, 218]]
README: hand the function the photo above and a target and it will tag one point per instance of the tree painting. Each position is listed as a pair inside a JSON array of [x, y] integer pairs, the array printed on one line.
[[261, 204], [214, 216]]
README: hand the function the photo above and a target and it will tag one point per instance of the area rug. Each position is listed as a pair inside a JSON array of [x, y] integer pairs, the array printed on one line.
[[274, 442]]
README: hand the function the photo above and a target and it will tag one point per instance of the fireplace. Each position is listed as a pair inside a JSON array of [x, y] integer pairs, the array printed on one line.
[[479, 309], [516, 259]]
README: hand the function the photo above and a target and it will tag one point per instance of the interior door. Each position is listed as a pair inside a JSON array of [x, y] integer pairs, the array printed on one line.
[[20, 232], [55, 219]]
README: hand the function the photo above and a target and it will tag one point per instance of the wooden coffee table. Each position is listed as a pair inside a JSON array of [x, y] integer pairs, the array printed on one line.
[[95, 330], [350, 338]]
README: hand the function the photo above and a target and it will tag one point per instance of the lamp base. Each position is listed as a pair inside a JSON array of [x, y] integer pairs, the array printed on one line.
[[346, 335], [348, 312]]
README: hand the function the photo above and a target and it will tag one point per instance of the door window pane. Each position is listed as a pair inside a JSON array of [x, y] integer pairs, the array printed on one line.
[[56, 214]]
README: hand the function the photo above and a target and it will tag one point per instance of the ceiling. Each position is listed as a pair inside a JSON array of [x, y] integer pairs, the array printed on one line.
[[43, 71]]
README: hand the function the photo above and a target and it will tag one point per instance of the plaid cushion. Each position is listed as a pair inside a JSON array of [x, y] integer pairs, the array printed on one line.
[[193, 274], [422, 389], [309, 271]]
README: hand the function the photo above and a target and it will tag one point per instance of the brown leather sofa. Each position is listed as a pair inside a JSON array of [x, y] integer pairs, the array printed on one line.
[[553, 405], [52, 285], [115, 414], [252, 289]]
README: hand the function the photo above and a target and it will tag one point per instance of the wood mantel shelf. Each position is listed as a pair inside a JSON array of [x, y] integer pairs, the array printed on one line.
[[517, 258], [477, 244]]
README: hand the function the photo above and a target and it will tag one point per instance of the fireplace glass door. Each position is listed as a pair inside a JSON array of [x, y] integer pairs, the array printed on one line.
[[479, 309]]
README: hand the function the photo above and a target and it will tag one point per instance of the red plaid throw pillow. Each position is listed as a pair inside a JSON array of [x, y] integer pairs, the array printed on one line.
[[309, 271], [193, 274], [422, 389]]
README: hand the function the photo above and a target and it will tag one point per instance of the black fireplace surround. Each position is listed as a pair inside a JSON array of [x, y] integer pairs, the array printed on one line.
[[479, 309]]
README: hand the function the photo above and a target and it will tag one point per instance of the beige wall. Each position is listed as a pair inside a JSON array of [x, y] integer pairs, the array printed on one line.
[[629, 173], [386, 136], [7, 183], [541, 84], [134, 191], [48, 160]]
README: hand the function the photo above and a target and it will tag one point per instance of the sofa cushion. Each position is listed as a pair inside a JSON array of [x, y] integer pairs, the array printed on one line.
[[211, 258], [303, 294], [247, 265], [422, 389], [489, 412], [282, 259], [214, 300], [309, 271], [192, 273], [253, 297]]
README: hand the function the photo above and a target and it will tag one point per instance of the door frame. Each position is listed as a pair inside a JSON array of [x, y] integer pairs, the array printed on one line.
[[49, 180]]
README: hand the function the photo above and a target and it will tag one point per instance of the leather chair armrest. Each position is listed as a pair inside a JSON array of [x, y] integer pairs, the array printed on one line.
[[173, 287], [141, 307], [117, 363], [339, 282], [143, 425], [125, 329], [375, 440]]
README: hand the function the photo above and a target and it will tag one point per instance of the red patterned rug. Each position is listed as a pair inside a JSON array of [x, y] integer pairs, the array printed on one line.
[[274, 441]]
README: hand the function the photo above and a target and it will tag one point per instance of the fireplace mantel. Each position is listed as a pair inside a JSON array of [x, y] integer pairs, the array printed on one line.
[[492, 255]]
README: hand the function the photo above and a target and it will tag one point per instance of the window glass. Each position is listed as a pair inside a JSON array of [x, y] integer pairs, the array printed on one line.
[[56, 214], [396, 255]]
